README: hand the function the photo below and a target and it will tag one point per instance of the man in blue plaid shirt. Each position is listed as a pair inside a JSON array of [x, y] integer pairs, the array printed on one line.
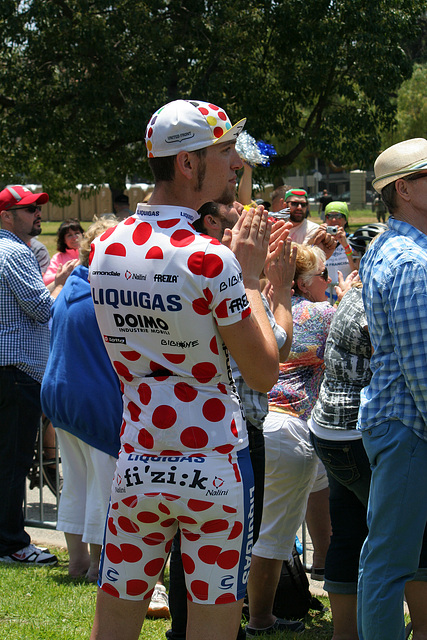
[[393, 413], [25, 305]]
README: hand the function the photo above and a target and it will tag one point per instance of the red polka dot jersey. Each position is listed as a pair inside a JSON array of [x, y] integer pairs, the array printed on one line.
[[160, 290]]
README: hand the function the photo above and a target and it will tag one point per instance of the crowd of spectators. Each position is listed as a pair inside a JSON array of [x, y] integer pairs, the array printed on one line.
[[217, 371]]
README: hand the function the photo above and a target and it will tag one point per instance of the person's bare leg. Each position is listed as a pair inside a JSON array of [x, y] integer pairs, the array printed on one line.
[[95, 555], [49, 441], [264, 577], [117, 619], [319, 525], [213, 621], [79, 555], [344, 615], [416, 597]]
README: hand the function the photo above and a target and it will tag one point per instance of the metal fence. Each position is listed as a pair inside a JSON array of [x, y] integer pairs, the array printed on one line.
[[43, 486]]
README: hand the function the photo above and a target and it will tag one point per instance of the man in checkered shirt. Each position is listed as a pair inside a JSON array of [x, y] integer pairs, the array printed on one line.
[[393, 413], [25, 305]]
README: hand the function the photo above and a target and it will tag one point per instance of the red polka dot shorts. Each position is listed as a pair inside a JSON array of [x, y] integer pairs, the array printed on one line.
[[210, 498]]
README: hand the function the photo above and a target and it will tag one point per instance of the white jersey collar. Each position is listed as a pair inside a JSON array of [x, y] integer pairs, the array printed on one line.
[[165, 212]]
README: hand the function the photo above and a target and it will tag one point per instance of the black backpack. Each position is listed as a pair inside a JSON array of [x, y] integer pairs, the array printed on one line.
[[293, 599]]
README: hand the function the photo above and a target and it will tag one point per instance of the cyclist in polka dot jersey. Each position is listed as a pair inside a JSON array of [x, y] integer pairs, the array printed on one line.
[[170, 303]]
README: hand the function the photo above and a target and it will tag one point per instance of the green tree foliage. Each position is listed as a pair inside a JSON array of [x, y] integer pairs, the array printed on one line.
[[80, 78], [411, 114]]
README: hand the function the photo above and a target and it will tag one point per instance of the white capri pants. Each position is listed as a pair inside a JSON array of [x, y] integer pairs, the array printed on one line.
[[292, 472], [88, 474]]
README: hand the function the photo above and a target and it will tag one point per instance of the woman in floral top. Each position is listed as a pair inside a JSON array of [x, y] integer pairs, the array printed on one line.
[[291, 463]]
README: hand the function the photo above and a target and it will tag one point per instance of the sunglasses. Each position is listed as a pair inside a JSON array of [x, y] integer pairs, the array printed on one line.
[[297, 204], [324, 274], [416, 176], [31, 208], [334, 215]]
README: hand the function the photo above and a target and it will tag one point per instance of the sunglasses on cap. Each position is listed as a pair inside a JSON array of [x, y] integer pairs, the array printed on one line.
[[324, 274], [292, 203], [335, 215], [283, 214], [31, 208]]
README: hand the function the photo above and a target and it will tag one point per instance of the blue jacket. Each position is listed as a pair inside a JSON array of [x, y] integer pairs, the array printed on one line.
[[80, 391]]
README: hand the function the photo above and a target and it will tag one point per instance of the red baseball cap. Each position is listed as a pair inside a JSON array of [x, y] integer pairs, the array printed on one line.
[[18, 195]]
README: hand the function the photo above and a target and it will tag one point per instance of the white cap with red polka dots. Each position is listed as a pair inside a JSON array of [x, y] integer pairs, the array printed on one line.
[[188, 125]]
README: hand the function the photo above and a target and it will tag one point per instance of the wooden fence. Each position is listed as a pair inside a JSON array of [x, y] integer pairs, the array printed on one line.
[[84, 208]]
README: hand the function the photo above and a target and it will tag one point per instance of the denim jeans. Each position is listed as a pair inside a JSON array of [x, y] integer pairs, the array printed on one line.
[[397, 515], [177, 588], [349, 475], [20, 413]]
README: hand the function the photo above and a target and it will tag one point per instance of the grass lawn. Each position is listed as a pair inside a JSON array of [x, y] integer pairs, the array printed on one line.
[[43, 603]]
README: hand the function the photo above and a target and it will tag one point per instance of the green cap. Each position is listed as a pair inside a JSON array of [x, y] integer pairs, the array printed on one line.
[[337, 207]]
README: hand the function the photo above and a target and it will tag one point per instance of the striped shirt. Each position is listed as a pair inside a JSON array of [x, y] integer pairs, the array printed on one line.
[[394, 276], [25, 305]]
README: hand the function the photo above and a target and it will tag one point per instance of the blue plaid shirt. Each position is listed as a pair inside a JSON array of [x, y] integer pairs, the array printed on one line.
[[25, 305], [394, 276]]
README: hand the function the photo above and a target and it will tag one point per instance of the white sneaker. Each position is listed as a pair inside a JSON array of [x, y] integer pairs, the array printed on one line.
[[31, 555], [159, 604]]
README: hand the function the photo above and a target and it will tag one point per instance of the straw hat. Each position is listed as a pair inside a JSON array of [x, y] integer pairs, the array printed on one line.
[[400, 160]]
